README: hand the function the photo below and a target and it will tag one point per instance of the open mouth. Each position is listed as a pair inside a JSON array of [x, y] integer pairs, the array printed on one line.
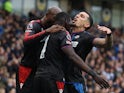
[[74, 20], [72, 24]]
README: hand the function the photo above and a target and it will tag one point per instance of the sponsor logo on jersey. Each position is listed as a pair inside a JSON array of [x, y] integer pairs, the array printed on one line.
[[75, 43], [77, 36]]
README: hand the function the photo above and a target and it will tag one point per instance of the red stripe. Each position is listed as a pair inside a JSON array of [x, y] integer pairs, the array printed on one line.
[[27, 35], [24, 72], [60, 85]]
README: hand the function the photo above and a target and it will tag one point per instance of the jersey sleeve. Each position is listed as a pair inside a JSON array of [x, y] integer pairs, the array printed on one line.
[[33, 32], [65, 39], [90, 38]]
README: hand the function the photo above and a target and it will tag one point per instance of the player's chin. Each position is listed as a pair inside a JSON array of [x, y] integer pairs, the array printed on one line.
[[72, 25], [75, 24]]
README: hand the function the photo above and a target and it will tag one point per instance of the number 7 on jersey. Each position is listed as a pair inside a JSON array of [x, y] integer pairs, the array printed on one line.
[[42, 55]]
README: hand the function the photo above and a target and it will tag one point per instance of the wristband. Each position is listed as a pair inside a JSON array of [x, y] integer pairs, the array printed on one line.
[[109, 34]]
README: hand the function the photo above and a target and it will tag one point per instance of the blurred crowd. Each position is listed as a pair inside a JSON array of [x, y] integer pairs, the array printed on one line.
[[11, 49], [109, 63]]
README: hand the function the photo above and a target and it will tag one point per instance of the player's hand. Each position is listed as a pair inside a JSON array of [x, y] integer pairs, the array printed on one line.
[[102, 83], [55, 28], [104, 29]]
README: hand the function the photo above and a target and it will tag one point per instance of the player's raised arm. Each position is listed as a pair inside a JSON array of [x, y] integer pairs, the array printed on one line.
[[104, 42]]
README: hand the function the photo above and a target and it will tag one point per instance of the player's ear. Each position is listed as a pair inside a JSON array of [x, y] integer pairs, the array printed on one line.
[[87, 24]]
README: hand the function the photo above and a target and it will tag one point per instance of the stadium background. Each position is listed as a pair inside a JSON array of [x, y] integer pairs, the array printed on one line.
[[109, 63]]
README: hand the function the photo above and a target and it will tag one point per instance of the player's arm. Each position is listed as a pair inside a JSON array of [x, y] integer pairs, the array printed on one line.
[[34, 32], [104, 42], [67, 48], [69, 51]]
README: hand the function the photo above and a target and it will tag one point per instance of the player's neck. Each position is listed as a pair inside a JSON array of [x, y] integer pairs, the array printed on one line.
[[78, 29]]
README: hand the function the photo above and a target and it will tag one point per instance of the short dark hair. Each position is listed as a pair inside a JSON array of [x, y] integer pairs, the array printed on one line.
[[62, 18], [90, 20]]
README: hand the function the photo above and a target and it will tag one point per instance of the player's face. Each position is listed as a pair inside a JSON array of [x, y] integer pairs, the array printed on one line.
[[81, 19]]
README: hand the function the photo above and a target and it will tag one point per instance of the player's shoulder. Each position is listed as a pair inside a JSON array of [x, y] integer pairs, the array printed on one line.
[[61, 34], [64, 32], [87, 34], [35, 21], [32, 24]]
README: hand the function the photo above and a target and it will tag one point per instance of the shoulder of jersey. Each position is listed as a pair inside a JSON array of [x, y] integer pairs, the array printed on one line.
[[30, 24]]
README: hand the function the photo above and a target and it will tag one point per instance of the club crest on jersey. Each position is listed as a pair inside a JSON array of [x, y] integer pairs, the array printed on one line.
[[74, 43], [77, 36]]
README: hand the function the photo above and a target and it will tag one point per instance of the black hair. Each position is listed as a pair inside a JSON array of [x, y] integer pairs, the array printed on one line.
[[62, 19], [90, 20]]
